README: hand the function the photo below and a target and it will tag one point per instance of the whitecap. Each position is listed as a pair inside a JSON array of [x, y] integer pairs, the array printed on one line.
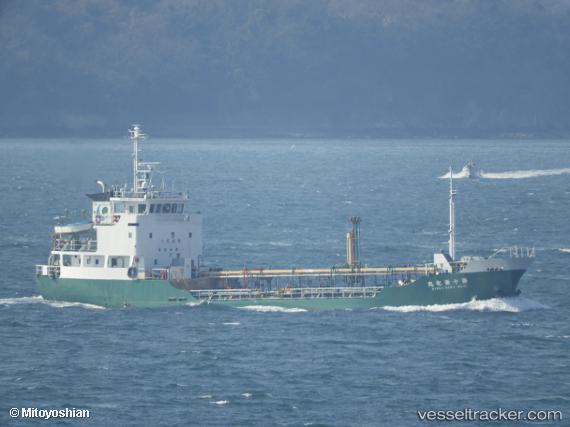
[[64, 304], [246, 395], [231, 323], [195, 304], [38, 299], [272, 309], [205, 396], [221, 402], [567, 250], [280, 244], [22, 300], [507, 304]]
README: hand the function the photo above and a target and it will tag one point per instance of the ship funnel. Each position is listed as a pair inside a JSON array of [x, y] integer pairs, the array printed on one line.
[[102, 185], [349, 251], [353, 243]]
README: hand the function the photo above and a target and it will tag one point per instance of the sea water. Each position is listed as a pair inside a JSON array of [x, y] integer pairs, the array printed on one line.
[[286, 203]]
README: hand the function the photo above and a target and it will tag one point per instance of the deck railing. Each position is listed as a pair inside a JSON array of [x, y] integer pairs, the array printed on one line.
[[304, 293], [516, 252], [64, 245], [47, 270]]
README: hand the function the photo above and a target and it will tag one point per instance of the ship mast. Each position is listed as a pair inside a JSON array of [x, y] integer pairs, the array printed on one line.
[[136, 135], [452, 193]]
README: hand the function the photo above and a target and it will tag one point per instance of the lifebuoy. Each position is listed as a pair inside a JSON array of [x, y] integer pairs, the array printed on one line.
[[132, 272], [98, 219]]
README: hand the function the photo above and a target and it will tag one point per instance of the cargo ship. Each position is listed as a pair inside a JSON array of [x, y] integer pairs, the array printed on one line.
[[142, 247]]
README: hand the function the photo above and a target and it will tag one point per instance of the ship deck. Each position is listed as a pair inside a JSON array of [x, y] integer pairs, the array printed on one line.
[[334, 282], [268, 273]]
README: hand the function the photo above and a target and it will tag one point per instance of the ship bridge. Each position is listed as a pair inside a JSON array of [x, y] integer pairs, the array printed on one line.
[[139, 232]]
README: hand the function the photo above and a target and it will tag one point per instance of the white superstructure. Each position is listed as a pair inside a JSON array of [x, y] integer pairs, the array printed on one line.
[[137, 233]]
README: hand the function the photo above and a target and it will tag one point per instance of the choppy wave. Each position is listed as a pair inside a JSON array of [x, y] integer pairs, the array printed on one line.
[[280, 244], [38, 299], [272, 309], [509, 305], [518, 174]]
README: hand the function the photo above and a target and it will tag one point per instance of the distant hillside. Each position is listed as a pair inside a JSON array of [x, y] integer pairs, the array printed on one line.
[[300, 67]]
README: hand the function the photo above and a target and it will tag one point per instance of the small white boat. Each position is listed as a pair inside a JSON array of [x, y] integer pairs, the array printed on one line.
[[77, 227], [470, 170]]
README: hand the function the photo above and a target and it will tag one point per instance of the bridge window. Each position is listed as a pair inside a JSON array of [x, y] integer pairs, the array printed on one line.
[[131, 209], [150, 234], [162, 208], [119, 207]]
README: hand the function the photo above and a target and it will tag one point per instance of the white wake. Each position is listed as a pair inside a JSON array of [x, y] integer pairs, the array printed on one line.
[[520, 174], [456, 175], [38, 299], [508, 304], [272, 309]]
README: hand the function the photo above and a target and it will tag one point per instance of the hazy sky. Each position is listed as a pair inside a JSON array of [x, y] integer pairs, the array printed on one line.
[[307, 67]]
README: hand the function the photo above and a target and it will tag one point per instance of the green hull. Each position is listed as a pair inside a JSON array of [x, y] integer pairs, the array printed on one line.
[[479, 286], [114, 293], [448, 288]]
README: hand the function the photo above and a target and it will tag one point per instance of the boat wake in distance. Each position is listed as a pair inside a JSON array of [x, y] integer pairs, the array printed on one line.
[[470, 170]]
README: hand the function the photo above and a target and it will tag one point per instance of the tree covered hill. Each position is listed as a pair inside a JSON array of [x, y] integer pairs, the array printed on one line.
[[450, 68]]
